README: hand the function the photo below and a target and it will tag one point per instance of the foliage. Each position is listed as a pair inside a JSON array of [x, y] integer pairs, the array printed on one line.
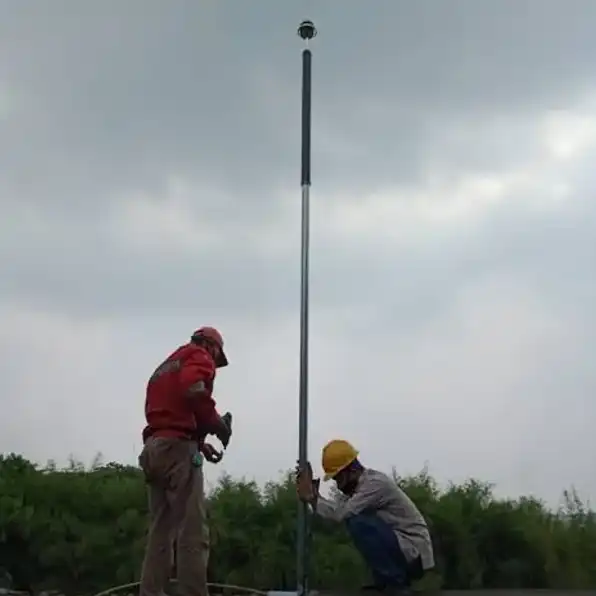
[[83, 530]]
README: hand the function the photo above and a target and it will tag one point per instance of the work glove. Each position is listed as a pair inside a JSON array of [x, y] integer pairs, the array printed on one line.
[[307, 487], [212, 455], [224, 429]]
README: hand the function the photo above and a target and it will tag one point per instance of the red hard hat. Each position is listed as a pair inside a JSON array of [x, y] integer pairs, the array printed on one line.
[[213, 335]]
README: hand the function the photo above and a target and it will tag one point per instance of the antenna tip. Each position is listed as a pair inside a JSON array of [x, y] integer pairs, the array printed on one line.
[[307, 30]]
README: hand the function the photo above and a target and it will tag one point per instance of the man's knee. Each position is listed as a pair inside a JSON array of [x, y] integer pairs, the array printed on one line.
[[367, 523], [353, 522], [378, 544], [193, 537], [370, 533]]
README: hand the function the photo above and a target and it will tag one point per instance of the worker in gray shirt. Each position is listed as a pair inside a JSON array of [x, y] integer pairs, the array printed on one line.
[[386, 527]]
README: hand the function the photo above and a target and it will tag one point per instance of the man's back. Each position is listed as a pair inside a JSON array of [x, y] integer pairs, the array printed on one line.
[[168, 410]]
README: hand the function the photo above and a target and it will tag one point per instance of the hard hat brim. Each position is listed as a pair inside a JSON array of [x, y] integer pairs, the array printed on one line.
[[332, 475], [222, 360]]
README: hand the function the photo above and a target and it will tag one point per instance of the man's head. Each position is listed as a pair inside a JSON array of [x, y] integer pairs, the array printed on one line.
[[340, 463], [211, 340]]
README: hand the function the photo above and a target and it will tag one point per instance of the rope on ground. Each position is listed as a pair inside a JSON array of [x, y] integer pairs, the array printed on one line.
[[232, 587]]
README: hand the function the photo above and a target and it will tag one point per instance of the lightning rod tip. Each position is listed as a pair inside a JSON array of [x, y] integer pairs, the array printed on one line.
[[307, 30]]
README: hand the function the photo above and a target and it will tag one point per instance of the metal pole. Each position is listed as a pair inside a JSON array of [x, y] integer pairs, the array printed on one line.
[[306, 31]]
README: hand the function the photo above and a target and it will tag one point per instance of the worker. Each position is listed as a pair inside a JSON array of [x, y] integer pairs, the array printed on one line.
[[180, 413], [385, 526]]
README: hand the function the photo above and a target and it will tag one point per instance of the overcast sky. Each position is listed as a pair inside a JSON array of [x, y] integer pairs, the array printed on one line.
[[149, 184]]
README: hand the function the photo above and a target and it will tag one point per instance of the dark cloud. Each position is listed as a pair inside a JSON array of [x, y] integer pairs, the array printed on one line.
[[120, 94]]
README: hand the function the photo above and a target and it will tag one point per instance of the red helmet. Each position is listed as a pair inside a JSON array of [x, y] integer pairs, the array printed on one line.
[[212, 335]]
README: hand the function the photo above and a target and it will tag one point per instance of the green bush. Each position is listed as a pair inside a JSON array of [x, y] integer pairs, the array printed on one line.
[[82, 530]]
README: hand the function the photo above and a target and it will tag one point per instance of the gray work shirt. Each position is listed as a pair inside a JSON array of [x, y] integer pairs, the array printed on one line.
[[378, 493]]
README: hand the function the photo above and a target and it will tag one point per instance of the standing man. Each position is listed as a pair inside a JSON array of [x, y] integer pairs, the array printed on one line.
[[386, 527], [180, 412]]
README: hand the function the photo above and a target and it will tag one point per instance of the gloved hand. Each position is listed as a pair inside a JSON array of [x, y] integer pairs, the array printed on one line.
[[224, 430], [307, 487], [212, 455]]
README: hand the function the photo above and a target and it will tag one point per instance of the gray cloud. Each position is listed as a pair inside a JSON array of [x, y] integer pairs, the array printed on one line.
[[94, 116]]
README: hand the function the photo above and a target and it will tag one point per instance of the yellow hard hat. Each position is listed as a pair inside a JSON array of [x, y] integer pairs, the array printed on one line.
[[337, 455]]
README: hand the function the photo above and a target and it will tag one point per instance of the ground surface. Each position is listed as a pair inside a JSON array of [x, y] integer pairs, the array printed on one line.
[[216, 590], [483, 593]]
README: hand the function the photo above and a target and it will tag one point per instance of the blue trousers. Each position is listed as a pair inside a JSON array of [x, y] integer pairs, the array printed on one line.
[[380, 549]]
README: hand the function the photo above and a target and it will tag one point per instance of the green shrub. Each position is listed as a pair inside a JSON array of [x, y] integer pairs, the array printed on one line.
[[83, 530]]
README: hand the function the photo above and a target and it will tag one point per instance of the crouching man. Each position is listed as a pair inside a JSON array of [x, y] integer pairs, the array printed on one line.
[[386, 527]]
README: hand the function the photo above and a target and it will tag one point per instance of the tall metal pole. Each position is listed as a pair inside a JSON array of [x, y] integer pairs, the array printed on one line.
[[306, 31]]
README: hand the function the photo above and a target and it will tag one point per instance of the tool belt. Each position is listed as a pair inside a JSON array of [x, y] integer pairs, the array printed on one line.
[[172, 431], [161, 454]]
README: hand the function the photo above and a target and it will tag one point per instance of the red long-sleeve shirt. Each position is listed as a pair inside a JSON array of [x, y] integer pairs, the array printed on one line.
[[179, 400]]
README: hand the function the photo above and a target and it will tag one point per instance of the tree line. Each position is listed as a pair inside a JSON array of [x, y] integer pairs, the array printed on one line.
[[81, 530]]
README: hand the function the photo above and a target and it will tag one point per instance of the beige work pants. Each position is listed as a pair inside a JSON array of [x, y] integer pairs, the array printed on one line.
[[177, 514]]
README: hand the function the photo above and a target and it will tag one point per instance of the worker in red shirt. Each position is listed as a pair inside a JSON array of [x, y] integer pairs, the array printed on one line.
[[180, 413]]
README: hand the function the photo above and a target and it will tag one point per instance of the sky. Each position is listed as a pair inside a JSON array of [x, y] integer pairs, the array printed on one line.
[[150, 184]]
